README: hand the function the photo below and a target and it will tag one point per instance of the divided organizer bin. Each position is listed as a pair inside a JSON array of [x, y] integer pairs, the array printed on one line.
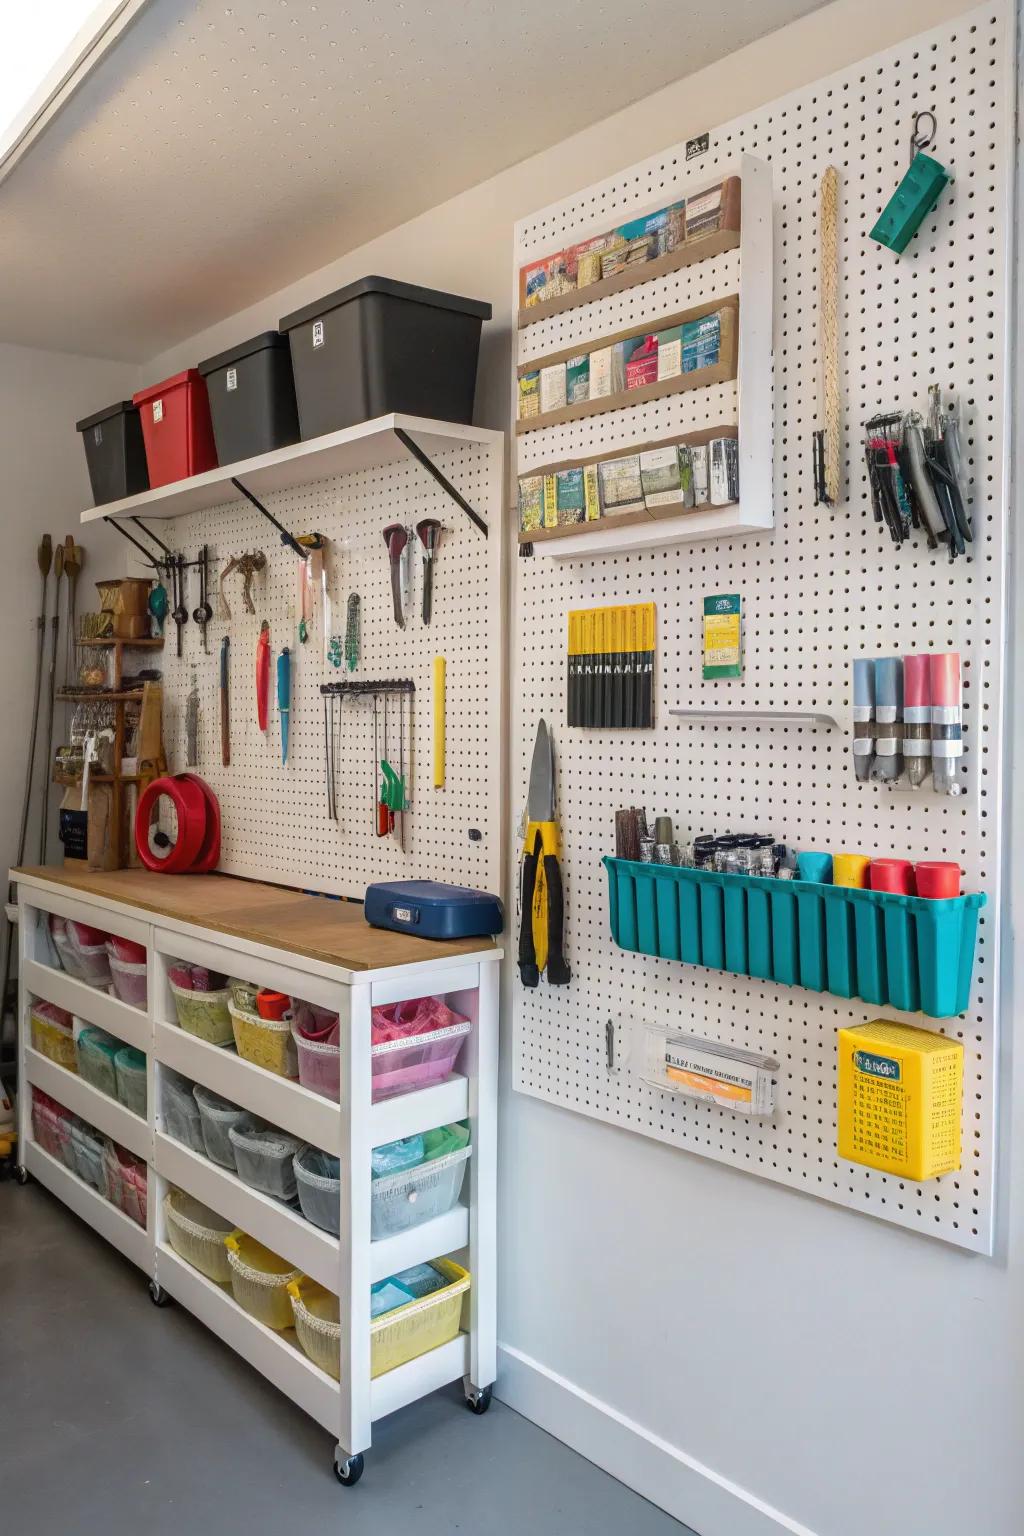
[[905, 952]]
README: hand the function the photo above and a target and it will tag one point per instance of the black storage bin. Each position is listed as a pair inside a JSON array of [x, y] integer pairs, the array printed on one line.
[[252, 397], [115, 452], [379, 346]]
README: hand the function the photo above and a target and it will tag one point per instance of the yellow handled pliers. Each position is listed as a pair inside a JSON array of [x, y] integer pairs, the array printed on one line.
[[542, 916]]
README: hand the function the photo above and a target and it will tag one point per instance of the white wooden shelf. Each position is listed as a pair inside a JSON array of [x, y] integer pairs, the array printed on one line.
[[607, 537], [97, 1108], [277, 1226], [427, 1373], [118, 1229], [279, 1100], [128, 1024], [275, 1355], [364, 446]]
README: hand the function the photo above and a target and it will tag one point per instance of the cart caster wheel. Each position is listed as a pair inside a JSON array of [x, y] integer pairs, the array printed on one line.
[[158, 1296], [348, 1470], [21, 1175], [478, 1400]]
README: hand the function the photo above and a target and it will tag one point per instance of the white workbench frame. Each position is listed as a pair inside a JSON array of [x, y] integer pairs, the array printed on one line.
[[349, 1130]]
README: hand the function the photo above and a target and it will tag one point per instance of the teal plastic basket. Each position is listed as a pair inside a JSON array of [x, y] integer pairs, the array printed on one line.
[[903, 952]]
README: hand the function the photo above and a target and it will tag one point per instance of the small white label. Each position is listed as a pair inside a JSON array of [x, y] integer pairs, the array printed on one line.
[[232, 379], [318, 333], [97, 435], [158, 410], [403, 915]]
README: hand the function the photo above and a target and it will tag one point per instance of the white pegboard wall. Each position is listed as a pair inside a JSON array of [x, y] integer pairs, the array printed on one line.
[[824, 588], [275, 821]]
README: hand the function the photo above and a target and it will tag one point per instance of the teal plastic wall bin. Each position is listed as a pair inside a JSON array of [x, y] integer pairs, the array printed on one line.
[[904, 952]]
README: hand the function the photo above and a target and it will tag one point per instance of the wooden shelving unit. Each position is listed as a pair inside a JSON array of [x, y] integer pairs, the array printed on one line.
[[661, 266], [699, 378], [120, 698]]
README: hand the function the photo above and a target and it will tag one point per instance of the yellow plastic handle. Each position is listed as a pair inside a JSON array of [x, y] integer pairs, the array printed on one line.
[[439, 721]]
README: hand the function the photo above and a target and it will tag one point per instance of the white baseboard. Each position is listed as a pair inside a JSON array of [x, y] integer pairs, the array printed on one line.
[[685, 1488]]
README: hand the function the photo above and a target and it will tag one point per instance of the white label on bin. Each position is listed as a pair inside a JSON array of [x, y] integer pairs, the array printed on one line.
[[318, 333], [158, 410], [232, 380], [97, 435], [403, 915]]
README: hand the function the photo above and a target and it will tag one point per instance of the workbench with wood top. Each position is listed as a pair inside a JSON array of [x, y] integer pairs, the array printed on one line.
[[322, 951]]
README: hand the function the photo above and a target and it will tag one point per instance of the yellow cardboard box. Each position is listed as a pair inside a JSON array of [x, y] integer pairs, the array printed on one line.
[[900, 1092]]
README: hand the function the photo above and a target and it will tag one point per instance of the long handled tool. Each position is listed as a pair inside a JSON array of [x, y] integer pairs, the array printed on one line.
[[225, 705], [284, 697], [180, 612], [44, 559], [396, 538], [263, 676], [204, 612], [44, 814], [429, 531], [74, 559]]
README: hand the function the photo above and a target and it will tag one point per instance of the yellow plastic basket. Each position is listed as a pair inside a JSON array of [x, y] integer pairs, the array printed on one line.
[[267, 1043], [203, 1014], [399, 1336], [395, 1338], [317, 1323], [197, 1235], [259, 1280], [54, 1040]]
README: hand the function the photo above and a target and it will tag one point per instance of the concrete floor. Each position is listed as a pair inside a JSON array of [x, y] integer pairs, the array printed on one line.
[[211, 1445]]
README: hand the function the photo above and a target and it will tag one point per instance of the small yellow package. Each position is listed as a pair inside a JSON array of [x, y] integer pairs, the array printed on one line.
[[900, 1091]]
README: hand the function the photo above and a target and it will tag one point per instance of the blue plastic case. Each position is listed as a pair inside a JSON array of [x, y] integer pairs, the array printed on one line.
[[432, 910]]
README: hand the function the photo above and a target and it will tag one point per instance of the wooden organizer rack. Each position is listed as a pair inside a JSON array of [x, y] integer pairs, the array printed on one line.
[[121, 698]]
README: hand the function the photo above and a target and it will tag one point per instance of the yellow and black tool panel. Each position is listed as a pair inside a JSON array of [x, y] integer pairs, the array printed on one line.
[[610, 681]]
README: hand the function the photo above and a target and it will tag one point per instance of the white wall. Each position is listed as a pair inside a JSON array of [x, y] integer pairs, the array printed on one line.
[[45, 487], [750, 1358]]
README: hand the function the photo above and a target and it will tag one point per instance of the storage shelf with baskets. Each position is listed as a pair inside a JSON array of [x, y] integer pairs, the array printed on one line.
[[291, 1290]]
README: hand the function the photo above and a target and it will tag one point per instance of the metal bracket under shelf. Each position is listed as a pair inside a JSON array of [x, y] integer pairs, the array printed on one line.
[[428, 464], [758, 717]]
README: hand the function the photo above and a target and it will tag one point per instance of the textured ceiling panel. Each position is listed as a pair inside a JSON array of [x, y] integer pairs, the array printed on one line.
[[222, 151]]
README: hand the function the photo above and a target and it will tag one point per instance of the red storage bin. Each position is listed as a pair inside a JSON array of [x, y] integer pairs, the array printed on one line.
[[176, 427]]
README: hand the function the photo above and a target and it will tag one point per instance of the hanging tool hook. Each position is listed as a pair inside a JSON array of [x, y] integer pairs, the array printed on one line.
[[922, 140]]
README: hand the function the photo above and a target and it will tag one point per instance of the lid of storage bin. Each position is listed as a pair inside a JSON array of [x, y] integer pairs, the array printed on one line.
[[264, 342], [153, 391], [119, 408], [394, 290]]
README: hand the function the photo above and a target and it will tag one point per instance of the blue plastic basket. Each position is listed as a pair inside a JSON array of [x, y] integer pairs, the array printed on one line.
[[906, 952]]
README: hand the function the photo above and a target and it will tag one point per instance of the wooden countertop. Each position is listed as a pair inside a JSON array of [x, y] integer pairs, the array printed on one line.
[[334, 932]]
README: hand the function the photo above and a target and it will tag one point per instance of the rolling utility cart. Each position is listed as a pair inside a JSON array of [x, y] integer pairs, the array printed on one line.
[[324, 953]]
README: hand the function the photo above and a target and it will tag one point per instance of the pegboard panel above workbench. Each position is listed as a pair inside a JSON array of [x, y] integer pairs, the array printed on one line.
[[823, 587], [275, 817]]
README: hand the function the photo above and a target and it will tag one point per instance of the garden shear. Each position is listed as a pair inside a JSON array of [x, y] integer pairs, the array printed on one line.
[[542, 918]]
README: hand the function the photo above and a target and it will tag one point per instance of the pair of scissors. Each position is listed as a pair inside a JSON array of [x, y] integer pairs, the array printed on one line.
[[543, 912]]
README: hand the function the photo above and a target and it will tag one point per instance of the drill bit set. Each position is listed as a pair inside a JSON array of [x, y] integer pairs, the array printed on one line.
[[914, 472]]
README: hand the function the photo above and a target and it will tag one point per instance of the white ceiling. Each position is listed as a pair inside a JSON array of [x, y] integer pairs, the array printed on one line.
[[224, 148]]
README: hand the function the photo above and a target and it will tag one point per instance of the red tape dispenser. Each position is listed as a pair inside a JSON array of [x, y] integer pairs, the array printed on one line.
[[192, 846]]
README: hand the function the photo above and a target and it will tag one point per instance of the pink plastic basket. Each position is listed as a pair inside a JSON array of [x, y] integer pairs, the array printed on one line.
[[128, 980], [398, 1066], [404, 1066]]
